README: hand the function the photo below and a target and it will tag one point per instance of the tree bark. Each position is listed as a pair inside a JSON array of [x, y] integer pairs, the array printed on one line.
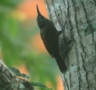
[[80, 28], [9, 81]]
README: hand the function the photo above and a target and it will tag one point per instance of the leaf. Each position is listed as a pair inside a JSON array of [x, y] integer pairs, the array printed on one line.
[[17, 72], [39, 85]]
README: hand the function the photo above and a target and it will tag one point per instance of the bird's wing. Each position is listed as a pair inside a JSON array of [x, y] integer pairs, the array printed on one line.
[[50, 41]]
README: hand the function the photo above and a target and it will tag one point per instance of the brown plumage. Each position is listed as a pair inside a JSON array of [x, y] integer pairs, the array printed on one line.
[[50, 36]]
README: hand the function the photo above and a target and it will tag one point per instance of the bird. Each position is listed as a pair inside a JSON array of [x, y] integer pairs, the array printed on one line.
[[50, 37]]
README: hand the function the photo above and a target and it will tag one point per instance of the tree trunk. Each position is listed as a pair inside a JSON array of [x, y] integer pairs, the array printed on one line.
[[80, 28]]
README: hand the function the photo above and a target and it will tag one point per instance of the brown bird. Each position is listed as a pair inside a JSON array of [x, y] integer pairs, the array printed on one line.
[[50, 36]]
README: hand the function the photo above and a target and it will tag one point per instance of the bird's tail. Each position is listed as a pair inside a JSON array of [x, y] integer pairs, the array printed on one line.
[[61, 63]]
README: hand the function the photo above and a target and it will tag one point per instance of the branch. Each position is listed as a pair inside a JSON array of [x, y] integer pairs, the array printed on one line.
[[9, 81]]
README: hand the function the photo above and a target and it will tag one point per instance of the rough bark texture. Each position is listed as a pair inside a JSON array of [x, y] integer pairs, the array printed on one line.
[[81, 27], [9, 81]]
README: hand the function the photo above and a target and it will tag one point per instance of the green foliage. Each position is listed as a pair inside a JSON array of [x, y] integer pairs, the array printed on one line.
[[18, 73], [7, 5], [15, 37], [40, 86]]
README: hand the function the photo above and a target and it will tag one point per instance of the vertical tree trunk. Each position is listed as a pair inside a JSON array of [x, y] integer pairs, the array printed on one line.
[[81, 27]]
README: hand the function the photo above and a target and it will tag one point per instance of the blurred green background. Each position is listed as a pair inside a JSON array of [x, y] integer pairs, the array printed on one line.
[[15, 38]]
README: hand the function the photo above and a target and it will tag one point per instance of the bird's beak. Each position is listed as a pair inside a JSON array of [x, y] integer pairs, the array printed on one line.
[[38, 10]]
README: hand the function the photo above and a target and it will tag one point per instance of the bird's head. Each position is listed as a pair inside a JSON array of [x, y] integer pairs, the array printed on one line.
[[41, 20]]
